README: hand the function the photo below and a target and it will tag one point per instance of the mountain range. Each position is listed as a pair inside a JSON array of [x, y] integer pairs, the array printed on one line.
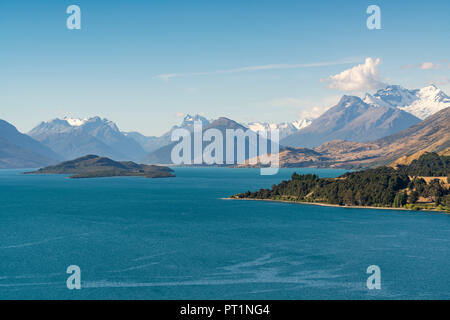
[[74, 138], [163, 155], [389, 110], [285, 129], [151, 144], [356, 122], [421, 103], [429, 135]]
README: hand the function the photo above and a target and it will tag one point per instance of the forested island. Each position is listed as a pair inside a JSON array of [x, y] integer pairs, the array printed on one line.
[[423, 184], [92, 166]]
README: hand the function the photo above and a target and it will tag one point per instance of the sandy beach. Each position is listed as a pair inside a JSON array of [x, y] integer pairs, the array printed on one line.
[[335, 205]]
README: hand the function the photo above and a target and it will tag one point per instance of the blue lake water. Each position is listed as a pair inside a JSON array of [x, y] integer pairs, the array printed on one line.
[[137, 238]]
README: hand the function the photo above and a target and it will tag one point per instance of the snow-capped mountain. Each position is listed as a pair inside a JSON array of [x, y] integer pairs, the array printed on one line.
[[75, 122], [188, 122], [420, 103], [352, 119], [393, 96], [163, 154], [303, 123], [150, 144], [72, 138], [285, 129], [430, 100]]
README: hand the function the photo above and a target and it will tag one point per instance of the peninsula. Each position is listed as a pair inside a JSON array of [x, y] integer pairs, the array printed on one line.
[[422, 185]]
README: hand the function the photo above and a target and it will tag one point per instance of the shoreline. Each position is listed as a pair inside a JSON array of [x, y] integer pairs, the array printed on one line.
[[336, 205]]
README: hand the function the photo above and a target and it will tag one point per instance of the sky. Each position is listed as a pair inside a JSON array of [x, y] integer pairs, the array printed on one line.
[[145, 64]]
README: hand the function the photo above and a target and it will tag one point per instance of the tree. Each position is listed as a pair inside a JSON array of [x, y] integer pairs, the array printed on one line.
[[413, 197], [349, 200], [446, 202], [382, 186], [400, 200], [404, 198]]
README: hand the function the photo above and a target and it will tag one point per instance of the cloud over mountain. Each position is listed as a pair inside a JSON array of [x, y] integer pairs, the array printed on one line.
[[363, 77]]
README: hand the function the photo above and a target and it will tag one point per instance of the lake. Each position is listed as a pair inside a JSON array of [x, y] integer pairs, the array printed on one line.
[[137, 238]]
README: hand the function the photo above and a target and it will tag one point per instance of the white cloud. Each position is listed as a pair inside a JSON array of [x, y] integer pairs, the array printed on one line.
[[169, 76], [426, 66], [429, 66], [363, 77]]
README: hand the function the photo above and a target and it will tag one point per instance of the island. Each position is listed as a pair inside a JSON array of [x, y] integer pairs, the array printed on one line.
[[93, 166], [424, 184]]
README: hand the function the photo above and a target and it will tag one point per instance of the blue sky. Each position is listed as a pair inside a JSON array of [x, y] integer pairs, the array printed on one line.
[[143, 64]]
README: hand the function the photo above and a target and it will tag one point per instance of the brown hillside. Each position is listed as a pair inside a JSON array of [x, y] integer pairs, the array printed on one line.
[[430, 135]]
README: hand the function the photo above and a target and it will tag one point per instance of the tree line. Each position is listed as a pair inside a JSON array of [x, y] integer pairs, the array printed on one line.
[[382, 186]]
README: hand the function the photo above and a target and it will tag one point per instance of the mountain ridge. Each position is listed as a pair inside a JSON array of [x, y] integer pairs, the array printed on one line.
[[18, 150], [351, 119], [163, 155], [421, 103], [430, 135], [153, 143], [72, 138]]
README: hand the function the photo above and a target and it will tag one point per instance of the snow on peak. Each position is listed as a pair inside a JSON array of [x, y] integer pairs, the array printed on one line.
[[396, 96], [74, 122], [69, 123], [376, 101], [189, 120], [433, 93], [429, 101], [300, 124], [285, 128], [420, 103]]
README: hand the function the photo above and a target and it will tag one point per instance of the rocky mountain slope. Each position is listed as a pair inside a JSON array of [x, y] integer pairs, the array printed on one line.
[[151, 143], [389, 110], [18, 150], [421, 103], [430, 135], [163, 155], [353, 120], [72, 138], [285, 129]]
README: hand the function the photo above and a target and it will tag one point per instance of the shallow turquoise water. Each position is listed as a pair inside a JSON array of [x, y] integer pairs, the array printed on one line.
[[136, 238]]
